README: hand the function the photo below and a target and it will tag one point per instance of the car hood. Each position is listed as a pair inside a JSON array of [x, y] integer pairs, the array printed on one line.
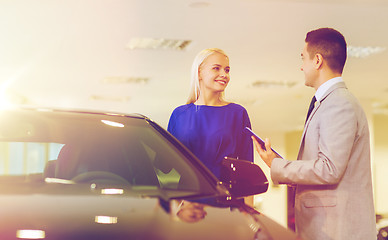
[[119, 215]]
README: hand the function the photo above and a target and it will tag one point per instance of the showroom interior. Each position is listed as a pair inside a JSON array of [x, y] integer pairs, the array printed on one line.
[[134, 56]]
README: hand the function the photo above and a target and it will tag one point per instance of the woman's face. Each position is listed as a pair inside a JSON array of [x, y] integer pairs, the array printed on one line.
[[213, 73]]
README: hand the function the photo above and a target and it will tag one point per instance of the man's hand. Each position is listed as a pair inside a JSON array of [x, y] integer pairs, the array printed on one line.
[[266, 154]]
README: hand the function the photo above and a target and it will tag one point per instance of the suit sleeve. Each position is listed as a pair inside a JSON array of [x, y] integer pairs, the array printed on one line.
[[326, 149]]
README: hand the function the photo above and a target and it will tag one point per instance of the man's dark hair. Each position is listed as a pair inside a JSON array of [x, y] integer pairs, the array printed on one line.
[[330, 44]]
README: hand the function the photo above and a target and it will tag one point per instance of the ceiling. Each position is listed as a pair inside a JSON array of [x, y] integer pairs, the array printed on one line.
[[74, 54]]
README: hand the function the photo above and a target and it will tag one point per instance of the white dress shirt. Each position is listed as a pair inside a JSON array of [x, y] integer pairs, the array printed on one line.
[[325, 86]]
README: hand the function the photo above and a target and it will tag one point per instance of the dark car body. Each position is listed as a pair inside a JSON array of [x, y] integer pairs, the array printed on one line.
[[88, 175], [382, 226]]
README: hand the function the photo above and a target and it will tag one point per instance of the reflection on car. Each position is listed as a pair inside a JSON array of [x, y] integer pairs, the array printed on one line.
[[89, 175], [382, 226]]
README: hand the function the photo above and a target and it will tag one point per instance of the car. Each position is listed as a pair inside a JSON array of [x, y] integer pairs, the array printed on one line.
[[75, 174]]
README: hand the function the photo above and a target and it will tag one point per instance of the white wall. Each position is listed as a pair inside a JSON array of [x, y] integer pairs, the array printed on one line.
[[273, 203], [381, 163]]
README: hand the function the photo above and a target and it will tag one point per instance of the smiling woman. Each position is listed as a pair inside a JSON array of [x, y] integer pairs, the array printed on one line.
[[211, 127]]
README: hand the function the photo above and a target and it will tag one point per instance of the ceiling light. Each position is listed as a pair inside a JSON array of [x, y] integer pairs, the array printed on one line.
[[157, 43], [380, 108], [199, 4], [361, 52], [122, 79], [110, 98], [268, 84]]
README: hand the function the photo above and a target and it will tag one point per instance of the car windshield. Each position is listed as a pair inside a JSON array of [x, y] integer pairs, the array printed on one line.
[[72, 148]]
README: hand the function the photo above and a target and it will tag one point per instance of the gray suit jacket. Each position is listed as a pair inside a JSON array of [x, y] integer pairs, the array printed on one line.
[[334, 196]]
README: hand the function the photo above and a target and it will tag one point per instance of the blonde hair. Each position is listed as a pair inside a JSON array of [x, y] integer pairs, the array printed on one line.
[[195, 91]]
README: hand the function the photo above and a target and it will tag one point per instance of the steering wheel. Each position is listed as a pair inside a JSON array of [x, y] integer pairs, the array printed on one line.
[[99, 177]]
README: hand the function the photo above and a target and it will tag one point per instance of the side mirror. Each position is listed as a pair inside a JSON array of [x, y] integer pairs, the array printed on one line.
[[243, 178]]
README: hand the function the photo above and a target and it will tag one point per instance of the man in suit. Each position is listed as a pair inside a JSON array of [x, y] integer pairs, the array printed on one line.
[[334, 197]]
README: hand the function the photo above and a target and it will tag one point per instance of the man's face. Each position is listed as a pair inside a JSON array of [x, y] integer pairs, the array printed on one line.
[[308, 67]]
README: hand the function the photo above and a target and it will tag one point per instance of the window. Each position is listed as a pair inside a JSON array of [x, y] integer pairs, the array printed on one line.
[[22, 158]]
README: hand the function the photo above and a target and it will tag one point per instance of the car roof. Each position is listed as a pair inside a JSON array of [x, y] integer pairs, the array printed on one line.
[[72, 110]]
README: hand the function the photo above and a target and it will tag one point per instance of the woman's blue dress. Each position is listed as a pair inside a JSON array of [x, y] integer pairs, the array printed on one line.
[[213, 132]]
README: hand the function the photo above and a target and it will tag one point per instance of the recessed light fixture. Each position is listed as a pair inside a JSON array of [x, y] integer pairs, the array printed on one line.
[[271, 84], [380, 107], [157, 43], [123, 79], [362, 52], [110, 98]]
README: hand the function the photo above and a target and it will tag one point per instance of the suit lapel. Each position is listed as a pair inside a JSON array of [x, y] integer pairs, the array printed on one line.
[[317, 105]]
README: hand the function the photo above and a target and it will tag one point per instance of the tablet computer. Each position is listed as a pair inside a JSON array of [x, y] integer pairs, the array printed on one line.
[[261, 142]]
